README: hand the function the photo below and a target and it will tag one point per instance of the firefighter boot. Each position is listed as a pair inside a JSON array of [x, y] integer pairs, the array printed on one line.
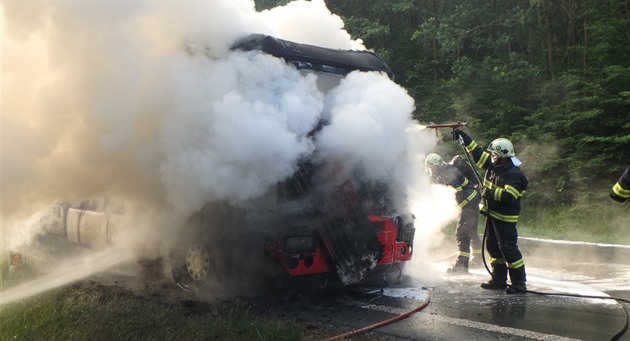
[[460, 266], [499, 277], [517, 276]]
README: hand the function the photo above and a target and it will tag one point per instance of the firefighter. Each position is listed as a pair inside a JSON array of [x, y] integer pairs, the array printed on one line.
[[467, 198], [621, 190], [503, 187]]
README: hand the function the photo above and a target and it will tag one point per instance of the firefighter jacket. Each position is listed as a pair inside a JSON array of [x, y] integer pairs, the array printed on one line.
[[503, 185], [621, 190], [450, 175]]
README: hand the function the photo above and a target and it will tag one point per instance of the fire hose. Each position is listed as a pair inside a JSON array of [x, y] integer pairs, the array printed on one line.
[[426, 302], [469, 157], [384, 322]]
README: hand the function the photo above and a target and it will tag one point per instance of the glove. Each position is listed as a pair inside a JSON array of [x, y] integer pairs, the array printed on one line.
[[486, 191], [457, 133], [436, 178]]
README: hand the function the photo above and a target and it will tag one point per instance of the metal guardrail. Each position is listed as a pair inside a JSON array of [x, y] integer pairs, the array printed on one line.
[[555, 252], [562, 250]]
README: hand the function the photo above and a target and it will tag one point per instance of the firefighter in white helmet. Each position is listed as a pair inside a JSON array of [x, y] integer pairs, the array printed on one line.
[[503, 187], [621, 190], [453, 174]]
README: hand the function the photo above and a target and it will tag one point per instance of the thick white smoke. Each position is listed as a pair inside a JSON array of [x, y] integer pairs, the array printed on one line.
[[145, 102], [368, 118], [144, 99], [239, 128]]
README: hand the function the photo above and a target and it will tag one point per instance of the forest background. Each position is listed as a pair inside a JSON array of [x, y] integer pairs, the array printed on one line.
[[553, 76]]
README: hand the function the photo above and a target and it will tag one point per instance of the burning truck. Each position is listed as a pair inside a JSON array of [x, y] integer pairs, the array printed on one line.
[[324, 221]]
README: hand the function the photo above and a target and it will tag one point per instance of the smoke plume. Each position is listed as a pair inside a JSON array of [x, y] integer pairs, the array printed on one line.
[[145, 103]]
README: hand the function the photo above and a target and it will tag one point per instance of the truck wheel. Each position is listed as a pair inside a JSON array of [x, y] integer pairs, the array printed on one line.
[[190, 267]]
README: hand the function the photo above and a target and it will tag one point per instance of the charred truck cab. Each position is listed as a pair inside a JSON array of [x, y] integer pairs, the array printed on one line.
[[325, 220], [332, 222]]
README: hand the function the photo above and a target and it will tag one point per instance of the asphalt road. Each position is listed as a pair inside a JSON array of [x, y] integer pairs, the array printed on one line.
[[459, 309]]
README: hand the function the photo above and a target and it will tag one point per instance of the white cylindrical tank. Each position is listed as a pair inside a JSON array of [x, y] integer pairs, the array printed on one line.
[[89, 228]]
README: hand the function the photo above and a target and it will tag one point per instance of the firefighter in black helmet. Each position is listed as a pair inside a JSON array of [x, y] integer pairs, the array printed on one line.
[[621, 190], [503, 186], [467, 198]]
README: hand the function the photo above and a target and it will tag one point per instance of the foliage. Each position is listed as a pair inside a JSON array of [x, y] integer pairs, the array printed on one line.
[[535, 71]]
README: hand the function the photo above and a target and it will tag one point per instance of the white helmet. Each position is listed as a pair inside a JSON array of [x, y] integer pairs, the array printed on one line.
[[503, 148], [433, 160]]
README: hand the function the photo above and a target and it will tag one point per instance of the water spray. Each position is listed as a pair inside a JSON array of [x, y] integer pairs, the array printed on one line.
[[68, 273]]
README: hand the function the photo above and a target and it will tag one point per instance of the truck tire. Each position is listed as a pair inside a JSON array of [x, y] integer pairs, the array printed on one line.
[[191, 266], [193, 256]]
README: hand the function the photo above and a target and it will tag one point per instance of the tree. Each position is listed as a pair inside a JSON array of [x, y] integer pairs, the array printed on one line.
[[550, 72]]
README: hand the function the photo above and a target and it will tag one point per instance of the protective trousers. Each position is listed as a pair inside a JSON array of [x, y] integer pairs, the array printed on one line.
[[466, 232], [502, 247]]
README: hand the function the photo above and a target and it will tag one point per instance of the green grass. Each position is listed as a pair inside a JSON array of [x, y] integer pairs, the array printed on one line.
[[597, 221], [112, 313], [89, 310]]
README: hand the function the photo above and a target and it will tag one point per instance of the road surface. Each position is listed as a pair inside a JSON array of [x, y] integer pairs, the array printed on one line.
[[460, 310]]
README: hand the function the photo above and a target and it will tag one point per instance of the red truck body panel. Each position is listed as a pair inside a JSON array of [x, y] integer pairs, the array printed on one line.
[[315, 260]]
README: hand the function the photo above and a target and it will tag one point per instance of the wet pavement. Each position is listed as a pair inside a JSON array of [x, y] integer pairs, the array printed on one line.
[[460, 310], [468, 312]]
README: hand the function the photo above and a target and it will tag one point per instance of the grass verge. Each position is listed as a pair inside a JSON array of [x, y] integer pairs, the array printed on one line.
[[602, 221], [605, 222], [101, 312]]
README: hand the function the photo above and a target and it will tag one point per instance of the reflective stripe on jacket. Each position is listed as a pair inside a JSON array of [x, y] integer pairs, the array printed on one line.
[[503, 185], [449, 175], [621, 190]]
